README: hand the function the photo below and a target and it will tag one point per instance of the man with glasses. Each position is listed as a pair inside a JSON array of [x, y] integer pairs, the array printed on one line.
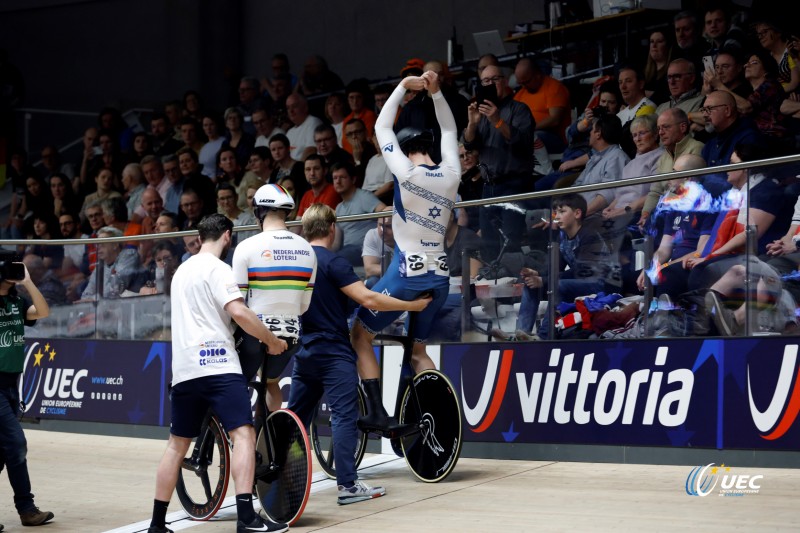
[[502, 131], [729, 129], [676, 139], [121, 268], [728, 75], [683, 91], [328, 148], [249, 101], [192, 209], [355, 132]]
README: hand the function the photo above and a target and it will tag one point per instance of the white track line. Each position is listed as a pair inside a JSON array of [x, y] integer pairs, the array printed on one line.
[[179, 520]]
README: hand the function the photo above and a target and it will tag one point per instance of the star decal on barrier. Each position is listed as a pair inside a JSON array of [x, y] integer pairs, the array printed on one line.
[[434, 212], [38, 355]]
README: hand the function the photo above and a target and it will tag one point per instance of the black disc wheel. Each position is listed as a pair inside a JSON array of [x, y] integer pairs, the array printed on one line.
[[432, 404]]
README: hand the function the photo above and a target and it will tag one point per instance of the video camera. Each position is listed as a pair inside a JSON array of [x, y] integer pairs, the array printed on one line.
[[11, 268]]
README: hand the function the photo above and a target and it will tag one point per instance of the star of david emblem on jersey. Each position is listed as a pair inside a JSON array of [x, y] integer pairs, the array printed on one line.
[[434, 212]]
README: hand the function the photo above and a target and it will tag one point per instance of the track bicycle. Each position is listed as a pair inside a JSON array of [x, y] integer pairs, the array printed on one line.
[[430, 434], [283, 464]]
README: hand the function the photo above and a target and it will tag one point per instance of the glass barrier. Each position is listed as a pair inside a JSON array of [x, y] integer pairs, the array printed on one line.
[[690, 254], [697, 256]]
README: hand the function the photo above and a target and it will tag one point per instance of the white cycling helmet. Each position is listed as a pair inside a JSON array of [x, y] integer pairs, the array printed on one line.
[[271, 196]]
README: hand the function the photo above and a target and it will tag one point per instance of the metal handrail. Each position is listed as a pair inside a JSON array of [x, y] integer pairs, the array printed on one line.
[[28, 110]]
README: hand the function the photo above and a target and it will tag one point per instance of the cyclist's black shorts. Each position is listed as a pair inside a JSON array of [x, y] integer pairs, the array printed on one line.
[[252, 352]]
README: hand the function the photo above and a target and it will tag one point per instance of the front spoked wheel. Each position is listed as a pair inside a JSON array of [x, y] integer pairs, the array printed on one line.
[[203, 477], [283, 467], [325, 454], [431, 453]]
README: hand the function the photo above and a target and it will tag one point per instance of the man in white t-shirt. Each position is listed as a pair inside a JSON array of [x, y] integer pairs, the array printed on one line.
[[378, 179], [301, 135], [206, 372], [378, 250]]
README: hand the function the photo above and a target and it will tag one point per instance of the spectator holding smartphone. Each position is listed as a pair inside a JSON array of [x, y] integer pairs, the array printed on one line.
[[502, 131]]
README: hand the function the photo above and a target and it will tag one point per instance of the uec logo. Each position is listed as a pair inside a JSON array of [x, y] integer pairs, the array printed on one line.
[[699, 482], [702, 481]]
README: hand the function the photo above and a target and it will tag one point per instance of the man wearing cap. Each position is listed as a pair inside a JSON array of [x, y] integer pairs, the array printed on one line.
[[503, 133]]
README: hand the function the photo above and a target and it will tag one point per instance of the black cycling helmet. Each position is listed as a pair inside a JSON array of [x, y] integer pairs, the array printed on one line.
[[413, 139]]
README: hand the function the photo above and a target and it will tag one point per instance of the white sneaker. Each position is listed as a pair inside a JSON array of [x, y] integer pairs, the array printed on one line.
[[359, 492]]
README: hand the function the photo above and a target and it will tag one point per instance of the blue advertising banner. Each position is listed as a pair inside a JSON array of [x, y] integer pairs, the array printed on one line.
[[761, 379], [631, 393], [710, 393], [97, 381]]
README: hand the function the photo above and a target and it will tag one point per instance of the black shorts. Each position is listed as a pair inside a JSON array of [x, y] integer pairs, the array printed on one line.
[[252, 352], [225, 394]]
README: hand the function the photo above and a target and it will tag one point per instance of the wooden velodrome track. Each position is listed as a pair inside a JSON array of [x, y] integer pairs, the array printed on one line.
[[97, 483]]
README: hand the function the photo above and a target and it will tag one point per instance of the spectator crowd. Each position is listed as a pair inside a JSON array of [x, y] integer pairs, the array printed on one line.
[[718, 86]]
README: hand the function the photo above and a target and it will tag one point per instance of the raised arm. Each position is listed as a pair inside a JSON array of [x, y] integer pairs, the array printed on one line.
[[39, 308], [447, 123], [397, 162]]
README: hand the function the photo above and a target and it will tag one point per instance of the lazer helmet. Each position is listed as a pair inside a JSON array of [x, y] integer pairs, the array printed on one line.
[[413, 139], [269, 197]]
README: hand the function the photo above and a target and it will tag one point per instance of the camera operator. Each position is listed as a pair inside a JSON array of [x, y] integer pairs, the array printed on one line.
[[15, 314]]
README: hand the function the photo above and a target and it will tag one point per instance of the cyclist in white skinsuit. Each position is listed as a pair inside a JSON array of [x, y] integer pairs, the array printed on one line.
[[424, 195], [275, 271]]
